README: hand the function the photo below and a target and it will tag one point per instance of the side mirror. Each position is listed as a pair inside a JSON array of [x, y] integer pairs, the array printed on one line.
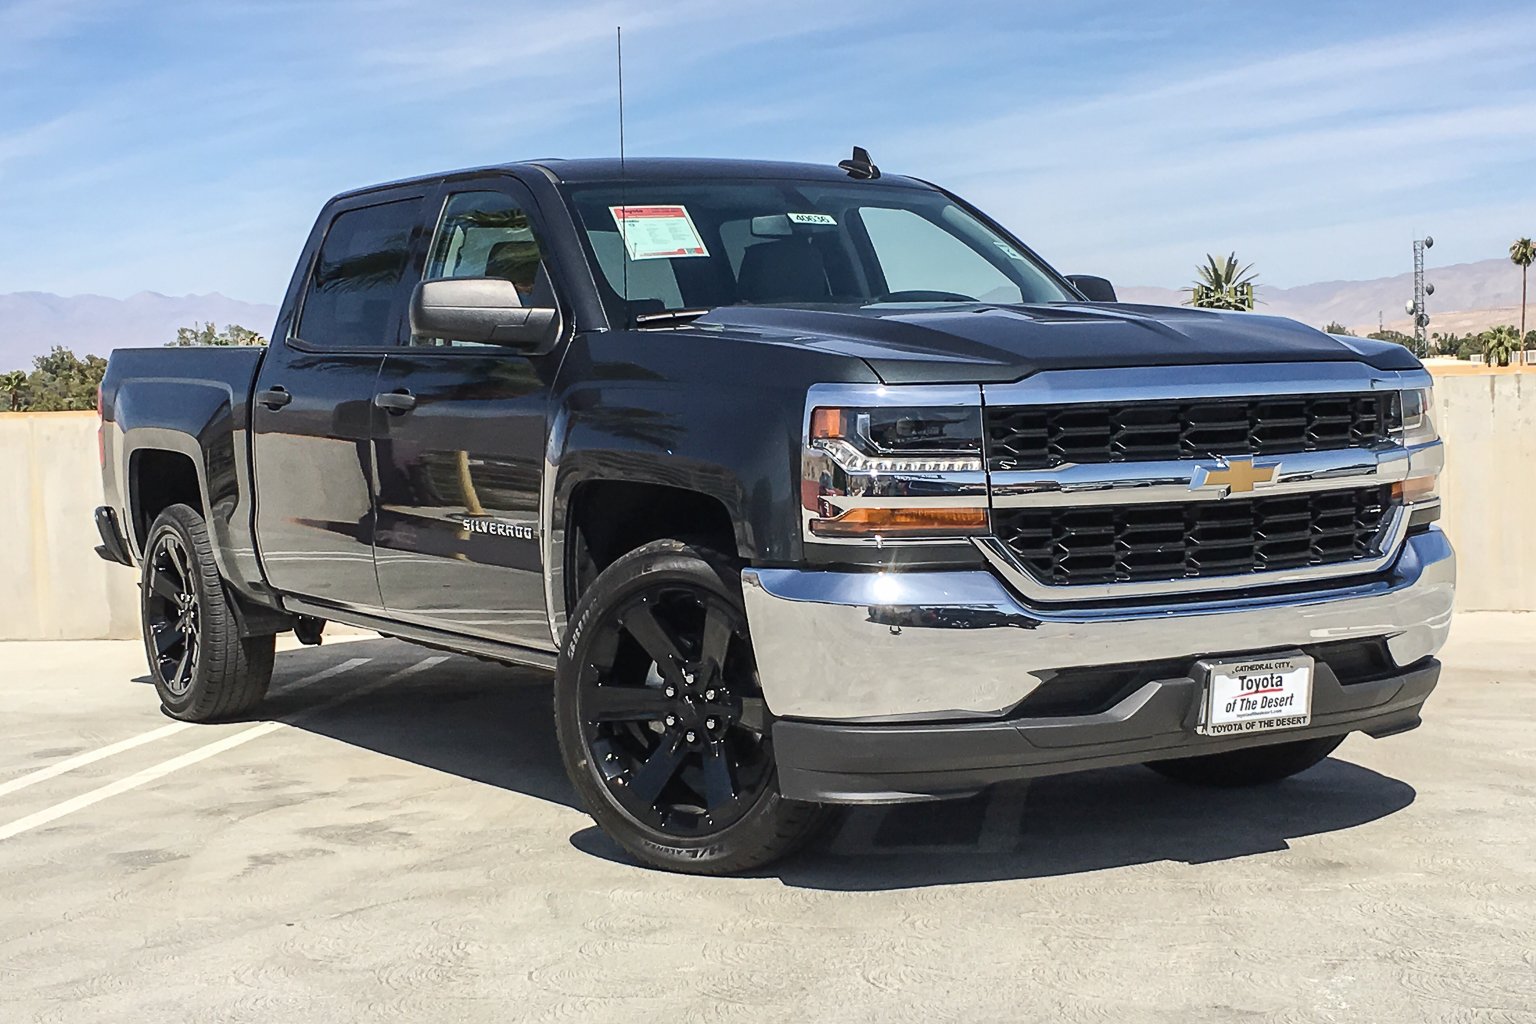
[[482, 309], [1094, 289]]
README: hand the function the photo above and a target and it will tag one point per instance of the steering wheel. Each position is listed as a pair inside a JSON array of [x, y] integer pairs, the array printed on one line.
[[925, 295]]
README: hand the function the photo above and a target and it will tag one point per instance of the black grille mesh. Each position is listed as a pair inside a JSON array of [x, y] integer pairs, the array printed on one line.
[[1042, 436], [1146, 543]]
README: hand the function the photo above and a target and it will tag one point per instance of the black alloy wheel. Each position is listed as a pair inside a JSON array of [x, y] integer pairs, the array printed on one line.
[[662, 723], [172, 614], [203, 664], [671, 713]]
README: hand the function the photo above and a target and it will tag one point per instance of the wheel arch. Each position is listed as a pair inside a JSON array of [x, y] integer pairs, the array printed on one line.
[[157, 479], [608, 517], [186, 440]]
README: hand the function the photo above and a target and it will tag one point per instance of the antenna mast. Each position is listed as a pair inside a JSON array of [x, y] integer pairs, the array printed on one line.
[[618, 34]]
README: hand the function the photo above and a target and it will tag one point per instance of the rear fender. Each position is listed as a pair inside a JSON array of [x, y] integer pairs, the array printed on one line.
[[204, 421]]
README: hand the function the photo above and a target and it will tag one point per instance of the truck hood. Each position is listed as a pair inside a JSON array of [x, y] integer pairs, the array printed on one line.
[[994, 344]]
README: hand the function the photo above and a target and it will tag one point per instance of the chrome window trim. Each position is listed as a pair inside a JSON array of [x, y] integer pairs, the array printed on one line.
[[1228, 380]]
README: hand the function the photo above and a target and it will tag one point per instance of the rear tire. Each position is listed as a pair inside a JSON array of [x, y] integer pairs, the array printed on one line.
[[203, 669], [1256, 766], [661, 722]]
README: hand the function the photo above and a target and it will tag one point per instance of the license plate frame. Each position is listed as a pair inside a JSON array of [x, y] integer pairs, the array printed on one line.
[[1256, 694]]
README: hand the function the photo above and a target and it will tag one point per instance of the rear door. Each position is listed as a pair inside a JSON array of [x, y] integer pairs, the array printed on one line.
[[461, 449], [313, 413]]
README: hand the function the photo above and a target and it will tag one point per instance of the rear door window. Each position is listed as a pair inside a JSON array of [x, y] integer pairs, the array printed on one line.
[[351, 300]]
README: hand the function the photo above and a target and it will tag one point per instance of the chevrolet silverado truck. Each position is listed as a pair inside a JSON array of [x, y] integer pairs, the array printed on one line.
[[810, 485]]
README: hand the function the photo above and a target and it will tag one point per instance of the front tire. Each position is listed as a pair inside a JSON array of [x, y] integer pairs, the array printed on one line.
[[203, 669], [661, 722], [1256, 766]]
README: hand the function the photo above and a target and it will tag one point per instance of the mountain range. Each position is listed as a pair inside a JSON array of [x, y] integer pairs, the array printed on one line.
[[1468, 297], [31, 323]]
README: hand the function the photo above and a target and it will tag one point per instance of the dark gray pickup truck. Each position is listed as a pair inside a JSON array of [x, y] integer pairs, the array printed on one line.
[[811, 485]]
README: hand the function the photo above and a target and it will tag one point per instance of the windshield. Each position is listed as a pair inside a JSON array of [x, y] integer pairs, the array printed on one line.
[[700, 245]]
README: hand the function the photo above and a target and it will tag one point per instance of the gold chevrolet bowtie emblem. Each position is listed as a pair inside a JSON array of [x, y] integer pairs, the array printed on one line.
[[1235, 476]]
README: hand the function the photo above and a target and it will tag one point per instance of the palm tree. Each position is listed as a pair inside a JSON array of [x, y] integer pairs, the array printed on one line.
[[1222, 285], [13, 384], [1499, 343], [1522, 253]]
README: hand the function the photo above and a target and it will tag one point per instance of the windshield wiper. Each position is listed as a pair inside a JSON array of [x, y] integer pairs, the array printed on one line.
[[671, 316]]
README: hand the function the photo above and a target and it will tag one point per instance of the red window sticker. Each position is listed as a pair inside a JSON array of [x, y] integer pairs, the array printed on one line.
[[658, 232]]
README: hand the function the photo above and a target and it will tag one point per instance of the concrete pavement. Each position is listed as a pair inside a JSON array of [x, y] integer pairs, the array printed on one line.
[[394, 839]]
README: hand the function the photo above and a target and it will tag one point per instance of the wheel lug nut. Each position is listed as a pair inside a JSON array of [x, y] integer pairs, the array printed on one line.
[[709, 694], [710, 723], [671, 691], [691, 736], [671, 719]]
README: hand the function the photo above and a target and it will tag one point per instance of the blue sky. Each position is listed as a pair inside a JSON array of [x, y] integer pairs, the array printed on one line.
[[186, 147]]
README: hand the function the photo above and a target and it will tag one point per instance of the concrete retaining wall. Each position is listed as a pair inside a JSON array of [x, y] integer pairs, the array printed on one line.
[[52, 585], [1488, 421]]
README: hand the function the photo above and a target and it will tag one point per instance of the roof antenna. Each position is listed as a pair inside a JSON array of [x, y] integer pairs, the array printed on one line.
[[860, 165], [618, 34]]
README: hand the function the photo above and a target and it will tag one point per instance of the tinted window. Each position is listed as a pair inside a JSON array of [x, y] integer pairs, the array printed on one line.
[[488, 234], [352, 291]]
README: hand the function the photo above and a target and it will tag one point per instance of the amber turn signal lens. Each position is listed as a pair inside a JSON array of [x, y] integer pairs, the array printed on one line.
[[826, 423], [868, 522], [1418, 488]]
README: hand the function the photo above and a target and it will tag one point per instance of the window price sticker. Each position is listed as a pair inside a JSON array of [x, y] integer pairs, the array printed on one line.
[[658, 232]]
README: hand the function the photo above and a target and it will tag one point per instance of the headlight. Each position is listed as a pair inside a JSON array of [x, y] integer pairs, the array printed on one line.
[[899, 440], [893, 463], [1417, 415]]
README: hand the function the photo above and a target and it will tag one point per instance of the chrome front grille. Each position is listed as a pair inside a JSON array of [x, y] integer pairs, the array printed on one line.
[[1063, 546], [1192, 481], [1043, 436]]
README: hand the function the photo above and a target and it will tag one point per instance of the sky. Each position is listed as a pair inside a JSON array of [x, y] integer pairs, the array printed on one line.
[[187, 147]]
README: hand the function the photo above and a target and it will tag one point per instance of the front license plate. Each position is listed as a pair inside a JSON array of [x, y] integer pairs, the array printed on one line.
[[1256, 695]]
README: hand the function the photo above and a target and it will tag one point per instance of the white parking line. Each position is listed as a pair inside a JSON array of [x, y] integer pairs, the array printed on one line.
[[164, 768], [69, 764]]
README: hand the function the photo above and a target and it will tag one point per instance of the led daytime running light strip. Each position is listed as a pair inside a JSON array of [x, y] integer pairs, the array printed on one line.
[[854, 461]]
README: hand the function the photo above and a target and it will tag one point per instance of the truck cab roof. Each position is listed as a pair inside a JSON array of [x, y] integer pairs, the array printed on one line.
[[602, 169]]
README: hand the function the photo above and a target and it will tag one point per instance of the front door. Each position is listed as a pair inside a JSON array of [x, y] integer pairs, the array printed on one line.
[[312, 415], [460, 452]]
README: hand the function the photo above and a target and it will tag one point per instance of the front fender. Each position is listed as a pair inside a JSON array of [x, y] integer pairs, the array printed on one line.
[[710, 413]]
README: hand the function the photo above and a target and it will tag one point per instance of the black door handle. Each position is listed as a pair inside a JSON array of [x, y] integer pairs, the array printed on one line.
[[274, 398], [395, 401]]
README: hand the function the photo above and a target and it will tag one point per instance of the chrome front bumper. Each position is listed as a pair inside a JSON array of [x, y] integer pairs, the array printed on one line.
[[937, 646]]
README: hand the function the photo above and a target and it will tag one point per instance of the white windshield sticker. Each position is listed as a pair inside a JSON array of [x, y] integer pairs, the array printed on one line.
[[658, 232], [1009, 251], [812, 218]]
